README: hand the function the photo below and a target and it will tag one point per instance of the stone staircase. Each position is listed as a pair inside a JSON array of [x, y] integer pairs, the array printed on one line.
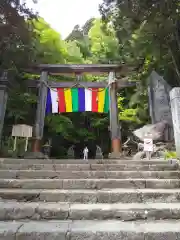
[[74, 200]]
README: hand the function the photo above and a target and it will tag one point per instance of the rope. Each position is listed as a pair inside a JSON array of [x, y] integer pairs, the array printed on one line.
[[77, 84]]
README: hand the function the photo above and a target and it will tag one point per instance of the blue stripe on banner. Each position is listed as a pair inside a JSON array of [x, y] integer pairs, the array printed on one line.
[[81, 99], [48, 102]]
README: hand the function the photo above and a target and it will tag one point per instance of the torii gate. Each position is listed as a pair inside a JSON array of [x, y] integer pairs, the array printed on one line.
[[47, 69]]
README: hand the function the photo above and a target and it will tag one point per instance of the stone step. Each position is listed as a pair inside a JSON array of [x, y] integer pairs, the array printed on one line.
[[12, 210], [76, 161], [89, 183], [4, 174], [90, 230], [93, 196], [89, 167]]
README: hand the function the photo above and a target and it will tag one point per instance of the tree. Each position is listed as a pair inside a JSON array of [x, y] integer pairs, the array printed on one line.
[[16, 36], [74, 53], [80, 36], [76, 34], [104, 44], [149, 31], [49, 46]]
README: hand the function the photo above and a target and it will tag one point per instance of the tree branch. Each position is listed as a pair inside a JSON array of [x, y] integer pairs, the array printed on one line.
[[175, 64]]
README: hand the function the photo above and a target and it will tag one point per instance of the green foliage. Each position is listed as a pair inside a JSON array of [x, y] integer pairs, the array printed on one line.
[[74, 53], [80, 37], [170, 155], [104, 45], [50, 48], [60, 125], [148, 34], [100, 123]]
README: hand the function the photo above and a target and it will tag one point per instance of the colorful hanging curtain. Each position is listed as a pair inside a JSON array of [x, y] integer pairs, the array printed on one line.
[[62, 100]]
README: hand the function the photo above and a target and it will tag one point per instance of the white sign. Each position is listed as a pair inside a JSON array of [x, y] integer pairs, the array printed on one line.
[[148, 145], [22, 130]]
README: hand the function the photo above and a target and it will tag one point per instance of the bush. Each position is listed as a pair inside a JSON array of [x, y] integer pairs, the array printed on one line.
[[169, 155]]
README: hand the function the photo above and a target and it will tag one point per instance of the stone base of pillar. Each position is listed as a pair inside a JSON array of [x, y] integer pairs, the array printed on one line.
[[115, 155], [36, 151]]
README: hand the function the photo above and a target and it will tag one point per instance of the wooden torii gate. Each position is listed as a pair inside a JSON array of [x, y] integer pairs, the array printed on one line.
[[47, 69]]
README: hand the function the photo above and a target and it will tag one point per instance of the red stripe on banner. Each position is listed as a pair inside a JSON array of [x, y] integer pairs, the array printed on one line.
[[61, 99], [95, 100]]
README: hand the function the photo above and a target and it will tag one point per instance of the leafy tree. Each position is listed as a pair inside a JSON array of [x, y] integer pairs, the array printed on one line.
[[80, 36], [50, 48], [74, 53], [104, 44], [17, 41], [76, 34], [16, 36], [149, 32]]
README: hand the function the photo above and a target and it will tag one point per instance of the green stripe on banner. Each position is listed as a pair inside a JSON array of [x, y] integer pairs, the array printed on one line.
[[75, 105], [106, 101]]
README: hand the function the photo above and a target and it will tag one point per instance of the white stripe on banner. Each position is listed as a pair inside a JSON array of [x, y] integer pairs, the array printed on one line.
[[54, 99], [88, 100]]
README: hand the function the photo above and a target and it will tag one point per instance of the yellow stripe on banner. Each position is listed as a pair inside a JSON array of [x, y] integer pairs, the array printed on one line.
[[68, 100], [101, 98]]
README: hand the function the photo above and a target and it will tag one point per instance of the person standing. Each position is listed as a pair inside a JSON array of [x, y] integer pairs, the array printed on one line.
[[85, 152]]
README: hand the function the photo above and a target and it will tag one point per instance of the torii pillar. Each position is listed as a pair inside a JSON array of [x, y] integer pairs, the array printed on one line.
[[40, 113], [114, 120]]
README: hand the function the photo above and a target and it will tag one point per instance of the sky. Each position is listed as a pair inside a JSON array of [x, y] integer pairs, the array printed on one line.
[[63, 15]]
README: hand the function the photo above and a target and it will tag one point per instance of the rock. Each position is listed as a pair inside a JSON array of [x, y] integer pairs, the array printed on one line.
[[156, 131]]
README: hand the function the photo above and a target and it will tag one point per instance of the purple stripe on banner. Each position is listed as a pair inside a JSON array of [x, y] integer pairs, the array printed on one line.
[[48, 102], [81, 99]]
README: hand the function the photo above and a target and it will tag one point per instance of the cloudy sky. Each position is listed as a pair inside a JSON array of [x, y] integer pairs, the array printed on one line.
[[63, 15]]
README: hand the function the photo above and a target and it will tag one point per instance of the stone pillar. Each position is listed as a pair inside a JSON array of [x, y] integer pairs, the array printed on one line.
[[175, 108], [40, 113], [114, 121], [3, 99]]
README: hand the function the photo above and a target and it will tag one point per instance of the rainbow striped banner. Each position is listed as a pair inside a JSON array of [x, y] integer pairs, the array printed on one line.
[[63, 100]]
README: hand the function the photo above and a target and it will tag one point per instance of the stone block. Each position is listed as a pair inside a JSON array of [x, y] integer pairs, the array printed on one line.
[[8, 230], [7, 174], [122, 196], [41, 174], [163, 183], [18, 213], [162, 236], [43, 230], [50, 211], [93, 196], [102, 230], [90, 183], [79, 184]]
